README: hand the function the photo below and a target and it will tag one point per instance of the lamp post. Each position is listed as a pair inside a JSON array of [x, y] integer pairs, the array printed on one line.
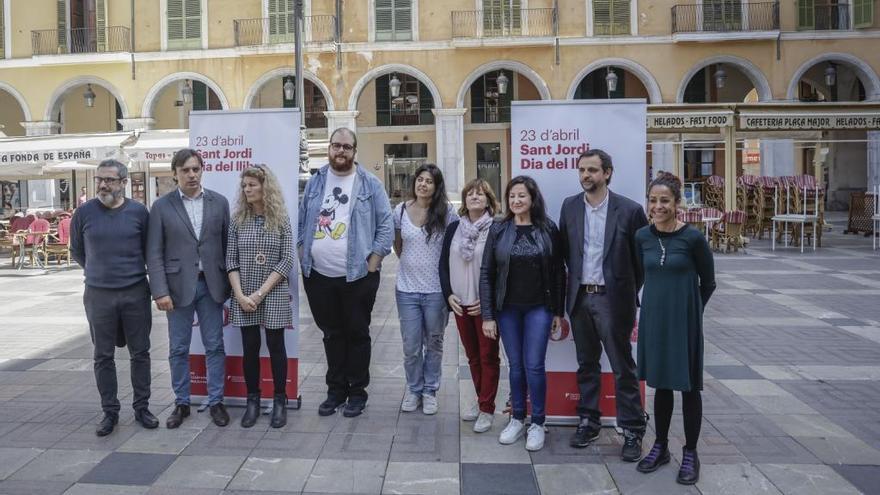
[[300, 91]]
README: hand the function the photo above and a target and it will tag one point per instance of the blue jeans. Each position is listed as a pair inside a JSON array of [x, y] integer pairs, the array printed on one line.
[[525, 331], [180, 323], [423, 319]]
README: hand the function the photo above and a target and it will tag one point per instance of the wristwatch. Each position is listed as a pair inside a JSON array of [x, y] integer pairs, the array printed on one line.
[[260, 294]]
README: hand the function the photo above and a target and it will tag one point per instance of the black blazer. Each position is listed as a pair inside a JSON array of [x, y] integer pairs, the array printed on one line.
[[445, 284], [496, 264], [621, 265]]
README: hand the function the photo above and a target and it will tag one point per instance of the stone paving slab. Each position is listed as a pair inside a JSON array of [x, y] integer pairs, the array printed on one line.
[[791, 403]]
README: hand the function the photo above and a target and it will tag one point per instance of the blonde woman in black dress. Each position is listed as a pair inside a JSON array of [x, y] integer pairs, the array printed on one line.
[[259, 258]]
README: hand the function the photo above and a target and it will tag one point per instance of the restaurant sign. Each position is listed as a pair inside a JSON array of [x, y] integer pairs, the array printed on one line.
[[818, 121], [48, 156], [689, 120]]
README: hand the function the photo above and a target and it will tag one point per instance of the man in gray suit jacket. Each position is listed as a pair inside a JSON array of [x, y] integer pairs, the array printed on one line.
[[604, 276], [186, 259]]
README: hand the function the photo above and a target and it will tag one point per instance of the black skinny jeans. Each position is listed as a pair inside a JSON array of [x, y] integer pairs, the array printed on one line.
[[691, 409], [251, 340]]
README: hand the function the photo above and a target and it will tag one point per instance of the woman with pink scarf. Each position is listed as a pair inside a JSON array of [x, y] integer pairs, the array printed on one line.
[[459, 279]]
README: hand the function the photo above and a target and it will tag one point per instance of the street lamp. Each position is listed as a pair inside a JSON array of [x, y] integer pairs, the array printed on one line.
[[394, 85], [830, 75], [502, 82], [720, 77], [611, 81], [89, 96], [187, 92], [289, 89]]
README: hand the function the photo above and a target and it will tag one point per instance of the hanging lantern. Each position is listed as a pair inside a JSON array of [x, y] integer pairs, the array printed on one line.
[[831, 75], [502, 82], [394, 85], [720, 77], [289, 89], [611, 81], [89, 96], [187, 92]]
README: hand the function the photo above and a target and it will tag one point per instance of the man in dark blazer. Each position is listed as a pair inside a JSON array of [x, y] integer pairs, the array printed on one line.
[[186, 259], [604, 276]]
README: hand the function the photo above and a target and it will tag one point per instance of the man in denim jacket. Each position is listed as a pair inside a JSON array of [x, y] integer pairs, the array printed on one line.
[[345, 229]]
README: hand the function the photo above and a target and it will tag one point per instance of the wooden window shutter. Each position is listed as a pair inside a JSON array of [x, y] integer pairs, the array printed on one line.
[[184, 24], [806, 14], [175, 21], [101, 24], [383, 101], [601, 17], [200, 95], [2, 32], [620, 17], [281, 21], [61, 16], [193, 19], [384, 20], [863, 13], [426, 104], [403, 19]]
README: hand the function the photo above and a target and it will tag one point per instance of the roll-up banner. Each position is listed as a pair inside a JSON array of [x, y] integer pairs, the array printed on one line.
[[230, 142], [546, 139]]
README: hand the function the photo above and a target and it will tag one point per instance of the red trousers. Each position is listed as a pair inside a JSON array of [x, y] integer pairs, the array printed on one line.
[[483, 360]]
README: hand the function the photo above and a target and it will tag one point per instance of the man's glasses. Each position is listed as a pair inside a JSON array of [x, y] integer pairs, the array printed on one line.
[[340, 146], [107, 180]]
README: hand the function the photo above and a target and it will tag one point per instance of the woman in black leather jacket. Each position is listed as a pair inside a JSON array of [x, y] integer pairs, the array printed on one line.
[[522, 296]]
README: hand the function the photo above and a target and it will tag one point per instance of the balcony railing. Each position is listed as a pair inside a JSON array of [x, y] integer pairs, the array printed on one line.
[[81, 40], [504, 23], [830, 17], [271, 31], [725, 16]]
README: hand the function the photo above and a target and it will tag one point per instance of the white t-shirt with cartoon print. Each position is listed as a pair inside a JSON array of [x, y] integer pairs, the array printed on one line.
[[330, 245]]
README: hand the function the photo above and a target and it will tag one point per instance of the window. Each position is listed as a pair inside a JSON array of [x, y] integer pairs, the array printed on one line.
[[611, 17], [204, 97], [489, 164], [832, 14], [282, 23], [401, 162], [502, 17], [722, 15], [412, 106], [184, 24], [394, 20], [863, 13], [487, 104]]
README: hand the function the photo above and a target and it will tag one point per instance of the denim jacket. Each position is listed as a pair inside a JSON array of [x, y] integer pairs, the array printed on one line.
[[370, 230]]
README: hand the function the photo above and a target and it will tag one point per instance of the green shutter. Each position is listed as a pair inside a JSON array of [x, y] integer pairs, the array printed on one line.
[[281, 21], [61, 16], [2, 32], [200, 95], [611, 17], [502, 17], [383, 101], [426, 104], [101, 24], [863, 13], [184, 24], [806, 14], [393, 20]]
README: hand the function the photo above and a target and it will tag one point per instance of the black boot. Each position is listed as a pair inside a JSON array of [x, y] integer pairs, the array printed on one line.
[[251, 411], [689, 472], [279, 411]]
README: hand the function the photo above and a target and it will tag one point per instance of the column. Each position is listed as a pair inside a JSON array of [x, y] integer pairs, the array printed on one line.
[[41, 128], [729, 168], [873, 160], [777, 157], [449, 125], [145, 123], [341, 118], [662, 158]]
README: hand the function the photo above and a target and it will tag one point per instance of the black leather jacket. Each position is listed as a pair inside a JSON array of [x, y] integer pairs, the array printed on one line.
[[494, 272]]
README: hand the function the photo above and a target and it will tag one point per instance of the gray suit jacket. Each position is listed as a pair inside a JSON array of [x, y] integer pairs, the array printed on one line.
[[173, 252], [621, 265]]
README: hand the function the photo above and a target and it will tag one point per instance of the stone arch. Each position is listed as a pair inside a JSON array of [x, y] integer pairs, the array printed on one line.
[[388, 69], [22, 103], [751, 71], [513, 65], [863, 70], [282, 72], [643, 75], [57, 96], [156, 90]]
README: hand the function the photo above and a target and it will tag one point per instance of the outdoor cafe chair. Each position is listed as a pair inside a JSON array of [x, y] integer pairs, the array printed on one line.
[[728, 232], [58, 244]]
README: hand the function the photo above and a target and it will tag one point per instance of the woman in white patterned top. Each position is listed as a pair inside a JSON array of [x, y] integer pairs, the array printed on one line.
[[259, 258], [419, 226]]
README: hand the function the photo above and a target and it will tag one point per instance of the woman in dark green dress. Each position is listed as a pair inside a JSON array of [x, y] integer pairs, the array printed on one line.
[[679, 279]]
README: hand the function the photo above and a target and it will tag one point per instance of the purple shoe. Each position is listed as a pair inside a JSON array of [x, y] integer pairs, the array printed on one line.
[[658, 456], [689, 473]]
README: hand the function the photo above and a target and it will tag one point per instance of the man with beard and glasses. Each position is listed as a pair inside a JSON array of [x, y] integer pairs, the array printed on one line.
[[108, 238], [604, 276], [345, 229]]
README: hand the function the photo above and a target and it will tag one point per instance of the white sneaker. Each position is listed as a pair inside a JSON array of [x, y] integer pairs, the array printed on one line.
[[484, 422], [512, 432], [410, 402], [535, 438], [429, 404], [470, 413]]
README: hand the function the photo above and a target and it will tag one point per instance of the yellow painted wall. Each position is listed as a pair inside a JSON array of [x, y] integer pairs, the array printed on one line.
[[167, 115], [26, 16], [222, 13], [10, 115], [78, 118]]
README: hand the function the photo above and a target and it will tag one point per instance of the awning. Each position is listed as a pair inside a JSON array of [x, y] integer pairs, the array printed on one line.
[[157, 146], [44, 156]]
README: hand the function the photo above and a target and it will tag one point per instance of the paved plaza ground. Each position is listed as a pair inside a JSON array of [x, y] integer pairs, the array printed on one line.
[[791, 402]]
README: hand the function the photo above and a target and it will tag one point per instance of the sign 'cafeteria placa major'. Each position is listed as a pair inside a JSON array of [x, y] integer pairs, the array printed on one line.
[[814, 121]]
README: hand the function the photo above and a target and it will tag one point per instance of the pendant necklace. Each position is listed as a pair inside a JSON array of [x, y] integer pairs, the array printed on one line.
[[260, 258], [662, 250]]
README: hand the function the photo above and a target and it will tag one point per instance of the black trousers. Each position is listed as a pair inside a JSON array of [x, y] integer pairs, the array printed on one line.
[[250, 342], [593, 327], [342, 311], [108, 311]]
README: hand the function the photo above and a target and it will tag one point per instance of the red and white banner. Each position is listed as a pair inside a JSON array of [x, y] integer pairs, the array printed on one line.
[[546, 139], [230, 142]]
